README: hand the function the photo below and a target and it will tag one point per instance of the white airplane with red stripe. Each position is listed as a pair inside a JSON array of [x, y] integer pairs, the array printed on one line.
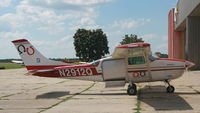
[[130, 63]]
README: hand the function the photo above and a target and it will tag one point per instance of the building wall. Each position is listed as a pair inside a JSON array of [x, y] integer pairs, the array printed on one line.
[[184, 8], [175, 39], [170, 33], [193, 40]]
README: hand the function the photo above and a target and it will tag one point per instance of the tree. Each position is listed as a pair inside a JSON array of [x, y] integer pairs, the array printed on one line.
[[130, 39], [161, 55], [90, 44]]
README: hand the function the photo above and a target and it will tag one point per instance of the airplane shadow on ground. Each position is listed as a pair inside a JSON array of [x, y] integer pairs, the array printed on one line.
[[52, 95], [104, 94], [156, 97]]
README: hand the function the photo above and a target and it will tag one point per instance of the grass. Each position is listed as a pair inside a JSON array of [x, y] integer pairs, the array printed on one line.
[[138, 104], [6, 96], [198, 92], [9, 65], [67, 98]]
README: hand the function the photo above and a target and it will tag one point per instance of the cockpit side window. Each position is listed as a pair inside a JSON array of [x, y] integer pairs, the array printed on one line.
[[95, 63], [136, 60], [152, 58]]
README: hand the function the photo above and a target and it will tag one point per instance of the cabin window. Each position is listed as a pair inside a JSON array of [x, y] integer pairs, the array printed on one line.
[[95, 63], [136, 60], [136, 51]]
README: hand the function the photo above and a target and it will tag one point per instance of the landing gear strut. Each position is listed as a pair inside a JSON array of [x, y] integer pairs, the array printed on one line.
[[170, 88], [132, 89]]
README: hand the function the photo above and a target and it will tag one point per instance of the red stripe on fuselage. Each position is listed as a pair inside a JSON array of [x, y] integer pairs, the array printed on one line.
[[43, 67], [59, 66], [158, 70], [56, 73], [170, 59]]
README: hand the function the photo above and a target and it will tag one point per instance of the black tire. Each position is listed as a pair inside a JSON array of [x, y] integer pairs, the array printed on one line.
[[132, 85], [132, 89], [170, 89]]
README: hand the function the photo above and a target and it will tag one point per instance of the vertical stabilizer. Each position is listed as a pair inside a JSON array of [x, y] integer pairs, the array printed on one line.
[[32, 58]]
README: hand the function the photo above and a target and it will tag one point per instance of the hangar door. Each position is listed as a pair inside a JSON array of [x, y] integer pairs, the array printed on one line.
[[114, 70]]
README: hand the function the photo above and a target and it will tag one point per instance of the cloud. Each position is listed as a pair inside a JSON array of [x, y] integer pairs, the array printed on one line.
[[163, 47], [62, 47], [12, 35], [67, 4], [28, 16], [52, 42], [148, 37], [52, 15], [129, 23], [5, 3]]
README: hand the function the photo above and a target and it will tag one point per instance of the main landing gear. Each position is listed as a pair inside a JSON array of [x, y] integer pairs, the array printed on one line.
[[132, 89], [170, 88]]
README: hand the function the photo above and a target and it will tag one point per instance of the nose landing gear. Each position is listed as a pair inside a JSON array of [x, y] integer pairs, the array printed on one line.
[[170, 88], [132, 89]]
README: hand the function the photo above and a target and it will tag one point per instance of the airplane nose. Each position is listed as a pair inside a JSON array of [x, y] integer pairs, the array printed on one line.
[[189, 64]]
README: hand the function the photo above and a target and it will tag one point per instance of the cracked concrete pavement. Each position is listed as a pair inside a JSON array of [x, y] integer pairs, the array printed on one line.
[[29, 94]]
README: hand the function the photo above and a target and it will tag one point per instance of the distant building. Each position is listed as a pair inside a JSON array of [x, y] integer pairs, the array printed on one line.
[[184, 31]]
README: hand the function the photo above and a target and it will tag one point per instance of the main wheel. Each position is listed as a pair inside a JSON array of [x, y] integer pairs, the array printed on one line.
[[170, 89], [132, 89]]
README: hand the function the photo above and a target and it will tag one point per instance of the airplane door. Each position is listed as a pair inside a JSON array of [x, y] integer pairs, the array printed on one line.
[[114, 70], [138, 68]]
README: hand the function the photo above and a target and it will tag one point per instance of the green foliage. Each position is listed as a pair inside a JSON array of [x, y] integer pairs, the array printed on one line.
[[130, 39], [164, 56], [90, 44], [161, 55], [10, 65]]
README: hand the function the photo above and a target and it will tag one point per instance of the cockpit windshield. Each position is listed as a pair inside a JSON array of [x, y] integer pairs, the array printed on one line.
[[95, 62], [152, 58]]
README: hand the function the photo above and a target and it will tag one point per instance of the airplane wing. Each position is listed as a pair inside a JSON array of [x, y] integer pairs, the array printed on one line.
[[123, 50], [17, 61]]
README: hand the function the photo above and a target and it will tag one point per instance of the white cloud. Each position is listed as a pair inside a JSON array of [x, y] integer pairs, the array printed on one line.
[[62, 47], [164, 38], [5, 3], [67, 4], [129, 23], [12, 35], [163, 47], [52, 43], [148, 37], [57, 17], [52, 15], [86, 21]]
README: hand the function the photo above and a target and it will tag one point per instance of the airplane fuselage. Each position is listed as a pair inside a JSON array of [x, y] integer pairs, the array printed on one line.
[[158, 70]]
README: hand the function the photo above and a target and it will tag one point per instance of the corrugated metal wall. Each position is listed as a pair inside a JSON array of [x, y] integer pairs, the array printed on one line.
[[185, 8], [193, 40]]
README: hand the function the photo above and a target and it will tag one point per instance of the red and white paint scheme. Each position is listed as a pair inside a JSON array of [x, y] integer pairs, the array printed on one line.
[[131, 63]]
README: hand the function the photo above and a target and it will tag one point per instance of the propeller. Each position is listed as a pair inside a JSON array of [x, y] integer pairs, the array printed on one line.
[[189, 65]]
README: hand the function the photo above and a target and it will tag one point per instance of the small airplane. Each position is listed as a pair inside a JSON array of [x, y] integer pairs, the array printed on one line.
[[130, 63], [18, 62]]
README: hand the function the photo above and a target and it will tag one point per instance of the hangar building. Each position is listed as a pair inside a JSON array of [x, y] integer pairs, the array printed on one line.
[[184, 31]]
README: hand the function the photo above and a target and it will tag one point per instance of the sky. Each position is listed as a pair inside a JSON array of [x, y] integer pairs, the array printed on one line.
[[50, 24]]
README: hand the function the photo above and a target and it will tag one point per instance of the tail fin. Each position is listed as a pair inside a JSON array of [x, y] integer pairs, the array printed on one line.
[[32, 58]]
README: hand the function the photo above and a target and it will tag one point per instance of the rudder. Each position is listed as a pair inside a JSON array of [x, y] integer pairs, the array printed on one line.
[[32, 58]]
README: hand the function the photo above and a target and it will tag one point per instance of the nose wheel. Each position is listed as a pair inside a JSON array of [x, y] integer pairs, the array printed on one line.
[[132, 89], [170, 88]]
